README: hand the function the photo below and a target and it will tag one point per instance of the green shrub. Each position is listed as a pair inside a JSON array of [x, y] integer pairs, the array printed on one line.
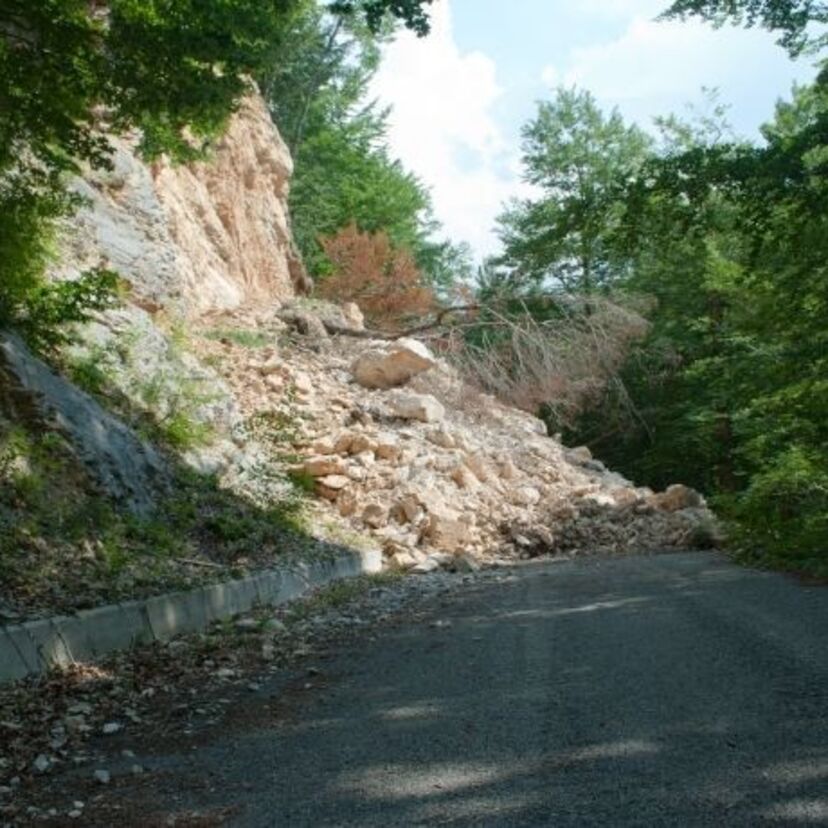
[[90, 371], [782, 517], [182, 431]]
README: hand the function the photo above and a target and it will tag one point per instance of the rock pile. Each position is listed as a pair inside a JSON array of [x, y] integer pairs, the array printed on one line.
[[438, 474]]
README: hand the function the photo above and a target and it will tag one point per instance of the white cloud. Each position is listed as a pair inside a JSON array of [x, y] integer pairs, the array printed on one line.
[[621, 9], [450, 125], [551, 76], [654, 68], [442, 127]]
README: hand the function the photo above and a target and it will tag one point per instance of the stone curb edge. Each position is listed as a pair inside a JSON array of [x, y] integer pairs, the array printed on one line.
[[34, 647]]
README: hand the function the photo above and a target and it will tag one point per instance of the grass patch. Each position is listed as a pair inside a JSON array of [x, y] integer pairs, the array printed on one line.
[[63, 546], [181, 431], [90, 371], [240, 336]]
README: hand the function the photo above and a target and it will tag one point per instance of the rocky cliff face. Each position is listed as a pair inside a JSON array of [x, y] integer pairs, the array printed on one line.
[[199, 237]]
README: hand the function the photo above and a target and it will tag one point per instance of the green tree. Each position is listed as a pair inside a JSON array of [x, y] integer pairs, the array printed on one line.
[[411, 12], [318, 95], [789, 17], [71, 71], [577, 157], [730, 241]]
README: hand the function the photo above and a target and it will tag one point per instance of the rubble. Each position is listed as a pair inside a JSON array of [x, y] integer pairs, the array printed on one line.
[[438, 475]]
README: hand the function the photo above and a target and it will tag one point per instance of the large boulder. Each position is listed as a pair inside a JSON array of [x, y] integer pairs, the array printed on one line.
[[392, 364], [445, 530], [422, 407], [677, 497]]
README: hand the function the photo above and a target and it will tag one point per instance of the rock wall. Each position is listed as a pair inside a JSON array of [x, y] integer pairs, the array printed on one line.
[[208, 236]]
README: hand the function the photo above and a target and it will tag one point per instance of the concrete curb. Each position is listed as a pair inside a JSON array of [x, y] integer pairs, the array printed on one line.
[[33, 647]]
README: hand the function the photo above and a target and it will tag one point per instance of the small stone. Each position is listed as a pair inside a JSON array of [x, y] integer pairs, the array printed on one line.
[[386, 447], [353, 316], [42, 763], [80, 709], [426, 566], [247, 624], [111, 727], [525, 496], [137, 769], [346, 504], [324, 465], [76, 814], [375, 515], [578, 456], [409, 509], [464, 477], [324, 445], [445, 531], [442, 437], [331, 485], [102, 776], [77, 804], [466, 563], [386, 366], [403, 560], [360, 443], [302, 383]]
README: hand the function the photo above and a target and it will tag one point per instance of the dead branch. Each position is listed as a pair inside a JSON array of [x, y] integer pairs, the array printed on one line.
[[438, 322]]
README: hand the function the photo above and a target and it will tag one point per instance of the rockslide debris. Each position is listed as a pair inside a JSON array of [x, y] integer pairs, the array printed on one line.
[[436, 473]]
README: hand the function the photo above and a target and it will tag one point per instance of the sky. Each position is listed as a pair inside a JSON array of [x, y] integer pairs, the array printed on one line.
[[460, 96]]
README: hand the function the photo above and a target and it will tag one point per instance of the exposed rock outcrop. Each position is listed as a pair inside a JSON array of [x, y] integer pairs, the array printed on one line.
[[197, 237], [126, 467]]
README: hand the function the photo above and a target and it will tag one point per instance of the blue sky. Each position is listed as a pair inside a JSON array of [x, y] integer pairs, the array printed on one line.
[[460, 96]]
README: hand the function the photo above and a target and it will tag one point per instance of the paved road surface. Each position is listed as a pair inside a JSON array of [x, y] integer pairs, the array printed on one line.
[[672, 690]]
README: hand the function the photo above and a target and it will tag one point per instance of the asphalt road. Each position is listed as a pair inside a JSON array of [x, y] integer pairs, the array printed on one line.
[[671, 690]]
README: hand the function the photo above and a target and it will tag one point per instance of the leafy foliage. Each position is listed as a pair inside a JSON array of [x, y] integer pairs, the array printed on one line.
[[317, 91], [72, 71], [728, 242], [577, 157], [790, 17], [48, 308], [411, 12]]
